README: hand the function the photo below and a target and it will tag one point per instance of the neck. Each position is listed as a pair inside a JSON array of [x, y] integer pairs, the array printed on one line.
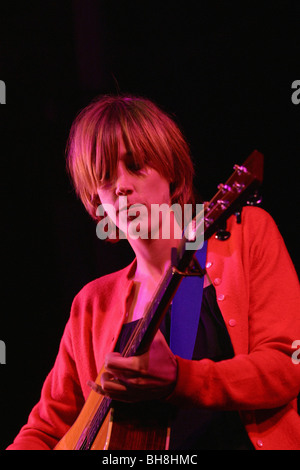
[[154, 254], [153, 257]]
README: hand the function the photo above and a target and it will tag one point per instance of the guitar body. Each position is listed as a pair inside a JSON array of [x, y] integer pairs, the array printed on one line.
[[125, 426], [71, 440], [142, 426]]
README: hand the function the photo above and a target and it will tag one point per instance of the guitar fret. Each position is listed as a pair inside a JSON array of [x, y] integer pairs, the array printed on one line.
[[94, 426]]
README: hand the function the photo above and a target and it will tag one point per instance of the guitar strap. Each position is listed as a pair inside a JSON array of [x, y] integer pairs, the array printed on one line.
[[185, 311]]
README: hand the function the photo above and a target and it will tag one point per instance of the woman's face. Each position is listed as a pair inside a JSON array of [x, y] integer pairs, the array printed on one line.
[[138, 188]]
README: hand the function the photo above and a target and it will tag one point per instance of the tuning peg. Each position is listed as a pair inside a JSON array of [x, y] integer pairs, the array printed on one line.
[[240, 169], [238, 186], [223, 204], [224, 187]]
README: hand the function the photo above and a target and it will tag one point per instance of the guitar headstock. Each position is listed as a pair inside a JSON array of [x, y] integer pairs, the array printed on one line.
[[240, 188], [233, 194]]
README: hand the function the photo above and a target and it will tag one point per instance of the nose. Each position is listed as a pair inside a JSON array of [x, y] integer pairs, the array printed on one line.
[[124, 185], [123, 190]]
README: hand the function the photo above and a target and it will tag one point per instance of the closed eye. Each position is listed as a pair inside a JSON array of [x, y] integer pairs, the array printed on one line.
[[132, 165]]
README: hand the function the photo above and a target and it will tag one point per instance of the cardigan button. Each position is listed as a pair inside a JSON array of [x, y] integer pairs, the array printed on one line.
[[232, 322], [260, 443], [221, 297], [217, 281], [209, 264]]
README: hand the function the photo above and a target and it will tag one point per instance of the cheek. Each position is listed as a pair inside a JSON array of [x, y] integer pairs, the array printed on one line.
[[158, 188], [105, 196], [107, 202], [162, 190]]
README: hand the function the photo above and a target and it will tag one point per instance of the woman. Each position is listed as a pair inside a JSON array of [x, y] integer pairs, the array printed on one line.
[[241, 375]]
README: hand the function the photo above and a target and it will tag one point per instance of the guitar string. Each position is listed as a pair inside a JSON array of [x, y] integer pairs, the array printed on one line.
[[94, 425]]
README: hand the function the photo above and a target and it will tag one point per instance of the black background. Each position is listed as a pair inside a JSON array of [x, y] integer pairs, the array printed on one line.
[[223, 69]]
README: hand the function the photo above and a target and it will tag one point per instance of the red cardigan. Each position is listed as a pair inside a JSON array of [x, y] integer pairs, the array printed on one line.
[[258, 294]]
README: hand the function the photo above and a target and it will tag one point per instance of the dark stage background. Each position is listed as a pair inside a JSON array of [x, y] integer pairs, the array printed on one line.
[[223, 70]]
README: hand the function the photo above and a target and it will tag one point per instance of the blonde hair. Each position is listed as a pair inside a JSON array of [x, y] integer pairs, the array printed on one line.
[[148, 133]]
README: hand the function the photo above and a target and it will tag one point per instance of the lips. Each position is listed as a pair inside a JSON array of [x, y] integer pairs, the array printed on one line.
[[130, 207]]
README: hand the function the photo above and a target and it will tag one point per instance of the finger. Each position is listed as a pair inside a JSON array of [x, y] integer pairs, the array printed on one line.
[[95, 387], [115, 361], [110, 383], [125, 367]]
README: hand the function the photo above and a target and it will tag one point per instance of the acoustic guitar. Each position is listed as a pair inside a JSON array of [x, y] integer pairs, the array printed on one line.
[[106, 424]]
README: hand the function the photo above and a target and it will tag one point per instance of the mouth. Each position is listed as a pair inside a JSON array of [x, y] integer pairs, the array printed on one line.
[[131, 207], [132, 210]]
